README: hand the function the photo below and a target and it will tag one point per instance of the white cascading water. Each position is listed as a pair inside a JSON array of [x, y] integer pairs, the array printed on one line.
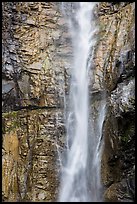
[[80, 180]]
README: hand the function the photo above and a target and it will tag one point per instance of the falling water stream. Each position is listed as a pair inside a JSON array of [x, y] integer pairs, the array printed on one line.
[[80, 180]]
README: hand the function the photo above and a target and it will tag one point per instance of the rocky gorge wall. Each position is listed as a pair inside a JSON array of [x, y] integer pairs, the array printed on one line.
[[37, 53], [35, 62], [116, 55]]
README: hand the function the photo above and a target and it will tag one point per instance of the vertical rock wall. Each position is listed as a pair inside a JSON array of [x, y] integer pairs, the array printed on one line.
[[37, 51], [115, 69], [30, 160]]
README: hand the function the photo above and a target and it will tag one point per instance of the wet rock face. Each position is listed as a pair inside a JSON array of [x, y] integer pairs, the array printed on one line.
[[123, 98], [36, 52], [31, 140], [117, 55], [35, 44]]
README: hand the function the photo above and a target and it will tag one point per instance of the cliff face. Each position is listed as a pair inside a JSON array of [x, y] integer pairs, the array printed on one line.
[[116, 57], [35, 78], [36, 52]]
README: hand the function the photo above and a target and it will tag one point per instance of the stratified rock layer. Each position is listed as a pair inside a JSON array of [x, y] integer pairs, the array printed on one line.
[[35, 47], [116, 57]]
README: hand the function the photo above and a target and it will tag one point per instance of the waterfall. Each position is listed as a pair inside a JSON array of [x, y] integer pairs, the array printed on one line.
[[80, 179]]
